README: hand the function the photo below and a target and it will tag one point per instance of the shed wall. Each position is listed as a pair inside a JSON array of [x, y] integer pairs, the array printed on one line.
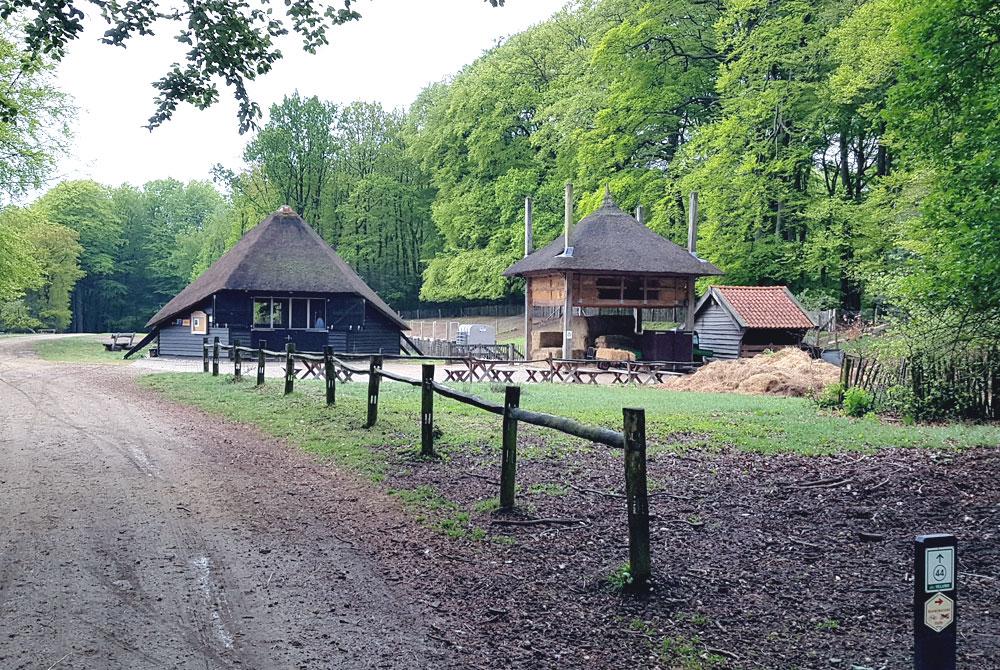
[[718, 331], [379, 335], [175, 340]]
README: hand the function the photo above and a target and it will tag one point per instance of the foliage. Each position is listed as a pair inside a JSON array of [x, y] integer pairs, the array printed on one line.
[[832, 396], [858, 402], [233, 41], [34, 118], [348, 172], [19, 269]]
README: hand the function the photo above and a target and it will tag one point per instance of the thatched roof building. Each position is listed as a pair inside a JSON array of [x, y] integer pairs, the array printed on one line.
[[281, 283]]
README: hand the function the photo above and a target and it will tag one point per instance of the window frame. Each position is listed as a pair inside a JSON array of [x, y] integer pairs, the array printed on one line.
[[290, 306]]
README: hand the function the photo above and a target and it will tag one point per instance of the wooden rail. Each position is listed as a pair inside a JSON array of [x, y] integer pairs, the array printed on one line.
[[632, 439]]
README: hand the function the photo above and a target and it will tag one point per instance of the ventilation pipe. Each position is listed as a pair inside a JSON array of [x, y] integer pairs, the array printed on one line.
[[528, 248], [569, 216], [693, 248], [693, 223]]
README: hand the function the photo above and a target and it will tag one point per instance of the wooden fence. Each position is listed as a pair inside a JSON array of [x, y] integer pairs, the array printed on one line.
[[957, 385], [448, 349], [632, 439]]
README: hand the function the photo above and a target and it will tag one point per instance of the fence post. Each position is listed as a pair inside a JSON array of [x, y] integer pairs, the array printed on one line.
[[289, 368], [237, 361], [204, 354], [260, 365], [373, 383], [215, 356], [508, 458], [427, 409], [331, 375], [636, 497]]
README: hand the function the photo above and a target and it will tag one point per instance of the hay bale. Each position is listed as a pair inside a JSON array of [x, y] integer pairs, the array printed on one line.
[[787, 372], [607, 354]]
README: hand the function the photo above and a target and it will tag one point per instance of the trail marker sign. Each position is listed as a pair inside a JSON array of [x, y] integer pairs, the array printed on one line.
[[939, 612], [935, 602], [939, 569]]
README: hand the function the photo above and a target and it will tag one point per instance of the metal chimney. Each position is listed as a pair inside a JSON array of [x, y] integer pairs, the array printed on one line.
[[693, 223], [569, 215]]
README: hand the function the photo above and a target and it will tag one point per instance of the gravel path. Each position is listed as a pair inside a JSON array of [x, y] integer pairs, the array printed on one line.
[[133, 538]]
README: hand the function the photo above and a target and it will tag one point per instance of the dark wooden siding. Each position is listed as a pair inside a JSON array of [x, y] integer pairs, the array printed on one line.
[[338, 341], [177, 340], [378, 336], [718, 331]]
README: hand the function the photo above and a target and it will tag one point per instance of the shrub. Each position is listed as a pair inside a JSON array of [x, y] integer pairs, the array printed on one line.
[[832, 396], [898, 401], [858, 402]]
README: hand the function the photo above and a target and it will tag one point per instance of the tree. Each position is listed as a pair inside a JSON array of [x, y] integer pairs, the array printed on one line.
[[228, 40], [34, 123], [19, 269], [87, 208], [295, 151]]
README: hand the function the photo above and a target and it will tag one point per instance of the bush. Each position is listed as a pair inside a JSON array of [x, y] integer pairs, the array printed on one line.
[[832, 396], [899, 401], [858, 402]]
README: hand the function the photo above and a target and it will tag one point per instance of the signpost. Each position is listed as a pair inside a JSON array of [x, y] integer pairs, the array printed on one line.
[[935, 606]]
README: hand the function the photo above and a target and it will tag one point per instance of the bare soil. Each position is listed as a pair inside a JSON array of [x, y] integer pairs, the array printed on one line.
[[143, 534], [140, 535]]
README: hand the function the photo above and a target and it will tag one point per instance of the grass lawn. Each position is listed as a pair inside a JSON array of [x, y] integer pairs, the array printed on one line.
[[80, 349], [675, 420]]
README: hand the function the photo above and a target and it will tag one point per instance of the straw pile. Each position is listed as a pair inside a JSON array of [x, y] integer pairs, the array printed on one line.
[[788, 372]]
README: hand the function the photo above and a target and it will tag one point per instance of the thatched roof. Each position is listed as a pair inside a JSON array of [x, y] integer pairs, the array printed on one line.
[[610, 240], [282, 254]]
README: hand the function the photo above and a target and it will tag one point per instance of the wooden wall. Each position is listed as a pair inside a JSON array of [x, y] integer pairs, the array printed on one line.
[[718, 331], [593, 290], [177, 340]]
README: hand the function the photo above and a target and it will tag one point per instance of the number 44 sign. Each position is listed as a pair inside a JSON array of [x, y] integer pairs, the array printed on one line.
[[939, 568]]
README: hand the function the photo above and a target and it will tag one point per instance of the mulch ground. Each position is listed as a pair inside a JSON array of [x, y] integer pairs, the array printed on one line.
[[759, 561]]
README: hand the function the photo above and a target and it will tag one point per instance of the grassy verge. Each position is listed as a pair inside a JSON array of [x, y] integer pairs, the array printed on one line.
[[675, 420], [81, 349]]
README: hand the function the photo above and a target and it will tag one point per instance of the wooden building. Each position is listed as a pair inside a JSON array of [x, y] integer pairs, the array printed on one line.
[[281, 283], [743, 321], [599, 277]]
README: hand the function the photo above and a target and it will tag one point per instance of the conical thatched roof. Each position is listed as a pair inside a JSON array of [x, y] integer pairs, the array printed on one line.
[[281, 254], [610, 240]]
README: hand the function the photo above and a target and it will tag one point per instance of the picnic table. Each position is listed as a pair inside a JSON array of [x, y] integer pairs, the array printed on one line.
[[586, 371], [119, 342], [317, 370]]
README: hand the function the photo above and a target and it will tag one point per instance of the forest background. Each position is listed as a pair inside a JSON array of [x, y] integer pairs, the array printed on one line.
[[846, 148]]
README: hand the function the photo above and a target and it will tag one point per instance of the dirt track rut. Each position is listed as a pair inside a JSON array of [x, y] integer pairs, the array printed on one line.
[[128, 542]]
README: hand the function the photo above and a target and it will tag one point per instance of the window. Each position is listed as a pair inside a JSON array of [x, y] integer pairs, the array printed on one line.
[[292, 313], [261, 312], [279, 313], [300, 313], [317, 314]]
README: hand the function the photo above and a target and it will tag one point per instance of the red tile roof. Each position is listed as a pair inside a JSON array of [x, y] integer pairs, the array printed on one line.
[[764, 306]]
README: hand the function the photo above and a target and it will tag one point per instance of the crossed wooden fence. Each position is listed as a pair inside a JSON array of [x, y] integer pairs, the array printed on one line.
[[632, 439]]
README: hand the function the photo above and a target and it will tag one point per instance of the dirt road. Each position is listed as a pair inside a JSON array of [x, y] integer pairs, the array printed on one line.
[[132, 538]]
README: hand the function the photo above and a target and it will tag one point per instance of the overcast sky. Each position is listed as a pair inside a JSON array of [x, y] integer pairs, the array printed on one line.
[[397, 48]]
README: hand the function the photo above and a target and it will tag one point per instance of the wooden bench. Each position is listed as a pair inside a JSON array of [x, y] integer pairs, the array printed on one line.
[[456, 374], [118, 343], [539, 374], [502, 375]]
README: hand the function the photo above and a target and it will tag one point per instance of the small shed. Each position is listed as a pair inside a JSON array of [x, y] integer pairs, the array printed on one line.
[[743, 321]]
